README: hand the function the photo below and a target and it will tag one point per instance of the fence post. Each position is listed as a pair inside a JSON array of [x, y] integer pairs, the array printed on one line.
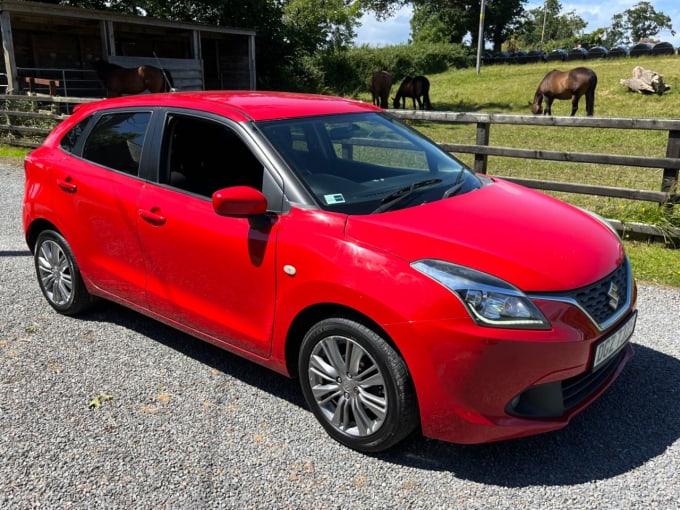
[[483, 129], [669, 183]]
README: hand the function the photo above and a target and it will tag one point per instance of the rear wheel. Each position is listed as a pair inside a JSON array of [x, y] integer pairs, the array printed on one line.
[[357, 385], [58, 274]]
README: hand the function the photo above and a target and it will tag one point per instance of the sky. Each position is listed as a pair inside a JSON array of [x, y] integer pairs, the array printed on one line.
[[397, 29]]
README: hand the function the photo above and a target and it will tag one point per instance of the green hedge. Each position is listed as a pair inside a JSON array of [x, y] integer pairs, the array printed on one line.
[[348, 73]]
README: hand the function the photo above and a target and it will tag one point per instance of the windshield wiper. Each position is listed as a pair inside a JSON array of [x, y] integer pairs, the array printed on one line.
[[453, 190], [393, 198]]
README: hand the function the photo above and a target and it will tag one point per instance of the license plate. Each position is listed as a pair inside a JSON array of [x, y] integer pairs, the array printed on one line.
[[614, 342]]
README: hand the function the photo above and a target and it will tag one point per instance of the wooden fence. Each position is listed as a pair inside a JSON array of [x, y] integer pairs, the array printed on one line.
[[50, 110], [25, 120], [481, 149]]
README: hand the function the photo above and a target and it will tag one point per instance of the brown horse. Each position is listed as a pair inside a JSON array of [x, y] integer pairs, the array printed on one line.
[[415, 88], [381, 84], [566, 85], [122, 80]]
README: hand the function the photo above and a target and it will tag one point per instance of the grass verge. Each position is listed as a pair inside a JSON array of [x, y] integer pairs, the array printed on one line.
[[654, 263]]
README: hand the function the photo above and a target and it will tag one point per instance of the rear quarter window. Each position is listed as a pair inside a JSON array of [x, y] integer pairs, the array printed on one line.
[[73, 136]]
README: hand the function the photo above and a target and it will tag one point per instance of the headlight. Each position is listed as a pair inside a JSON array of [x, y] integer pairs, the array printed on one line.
[[489, 300]]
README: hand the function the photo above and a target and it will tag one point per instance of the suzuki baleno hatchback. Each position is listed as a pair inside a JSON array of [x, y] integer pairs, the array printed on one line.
[[328, 241]]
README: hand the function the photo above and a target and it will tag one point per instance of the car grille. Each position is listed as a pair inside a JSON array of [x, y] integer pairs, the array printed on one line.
[[554, 399], [579, 388], [595, 299]]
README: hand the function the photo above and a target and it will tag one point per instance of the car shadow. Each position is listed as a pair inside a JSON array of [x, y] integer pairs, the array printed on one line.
[[204, 352], [635, 420], [15, 253]]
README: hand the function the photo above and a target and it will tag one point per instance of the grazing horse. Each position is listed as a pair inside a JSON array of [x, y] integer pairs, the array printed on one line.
[[566, 85], [415, 88], [135, 80], [381, 84]]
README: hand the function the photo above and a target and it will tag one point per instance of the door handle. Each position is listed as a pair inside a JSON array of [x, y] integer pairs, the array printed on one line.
[[153, 216], [67, 185]]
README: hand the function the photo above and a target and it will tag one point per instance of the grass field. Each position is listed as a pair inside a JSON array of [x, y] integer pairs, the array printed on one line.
[[509, 89]]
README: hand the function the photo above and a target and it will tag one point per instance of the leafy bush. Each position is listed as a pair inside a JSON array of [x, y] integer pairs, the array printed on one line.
[[348, 72]]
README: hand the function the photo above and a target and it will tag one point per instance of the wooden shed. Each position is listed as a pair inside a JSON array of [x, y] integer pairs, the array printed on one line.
[[51, 42]]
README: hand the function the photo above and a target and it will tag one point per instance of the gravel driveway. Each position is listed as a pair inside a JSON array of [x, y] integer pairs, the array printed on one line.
[[114, 410]]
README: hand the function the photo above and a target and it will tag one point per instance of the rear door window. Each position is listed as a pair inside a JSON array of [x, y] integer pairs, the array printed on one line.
[[117, 140]]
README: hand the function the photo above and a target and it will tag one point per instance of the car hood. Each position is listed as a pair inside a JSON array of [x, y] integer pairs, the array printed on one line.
[[527, 238]]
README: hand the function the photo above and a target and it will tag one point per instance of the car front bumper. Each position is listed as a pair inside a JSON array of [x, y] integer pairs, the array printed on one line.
[[477, 385]]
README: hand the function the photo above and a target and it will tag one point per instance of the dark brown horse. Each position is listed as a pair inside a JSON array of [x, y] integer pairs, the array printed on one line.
[[415, 88], [566, 85], [381, 84], [135, 80]]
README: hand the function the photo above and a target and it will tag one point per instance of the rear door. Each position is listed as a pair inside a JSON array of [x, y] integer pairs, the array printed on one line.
[[98, 194]]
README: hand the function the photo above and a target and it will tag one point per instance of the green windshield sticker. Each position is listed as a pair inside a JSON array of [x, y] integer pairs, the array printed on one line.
[[336, 198]]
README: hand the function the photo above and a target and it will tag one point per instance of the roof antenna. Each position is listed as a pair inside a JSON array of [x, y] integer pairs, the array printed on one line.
[[168, 83]]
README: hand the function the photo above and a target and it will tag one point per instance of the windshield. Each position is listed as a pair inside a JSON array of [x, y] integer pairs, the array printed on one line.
[[367, 163]]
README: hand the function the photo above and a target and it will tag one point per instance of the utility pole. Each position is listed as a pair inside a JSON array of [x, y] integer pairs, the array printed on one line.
[[480, 41], [544, 16]]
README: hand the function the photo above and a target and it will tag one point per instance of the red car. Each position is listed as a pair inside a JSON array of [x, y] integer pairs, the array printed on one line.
[[328, 241]]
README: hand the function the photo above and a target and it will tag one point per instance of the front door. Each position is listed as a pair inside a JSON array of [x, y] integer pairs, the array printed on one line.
[[212, 273]]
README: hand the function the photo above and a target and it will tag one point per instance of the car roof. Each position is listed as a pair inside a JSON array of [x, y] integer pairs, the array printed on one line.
[[240, 105]]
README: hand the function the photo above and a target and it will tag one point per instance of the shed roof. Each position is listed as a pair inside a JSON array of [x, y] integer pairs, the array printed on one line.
[[38, 10]]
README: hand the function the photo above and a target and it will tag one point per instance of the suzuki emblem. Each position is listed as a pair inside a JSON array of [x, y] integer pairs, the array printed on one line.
[[613, 293]]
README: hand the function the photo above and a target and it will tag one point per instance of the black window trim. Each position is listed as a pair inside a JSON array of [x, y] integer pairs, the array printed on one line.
[[146, 161], [273, 180]]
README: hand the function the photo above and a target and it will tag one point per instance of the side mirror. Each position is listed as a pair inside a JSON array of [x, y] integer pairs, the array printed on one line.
[[239, 201]]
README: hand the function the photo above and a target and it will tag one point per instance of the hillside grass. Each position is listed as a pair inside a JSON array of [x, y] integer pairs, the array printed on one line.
[[509, 89]]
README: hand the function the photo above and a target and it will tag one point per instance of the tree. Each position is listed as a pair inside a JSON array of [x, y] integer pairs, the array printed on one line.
[[502, 19], [545, 24], [452, 20], [435, 24], [639, 22], [615, 34], [322, 26], [383, 9], [122, 6]]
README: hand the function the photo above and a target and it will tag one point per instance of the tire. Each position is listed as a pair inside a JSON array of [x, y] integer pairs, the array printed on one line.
[[357, 385], [58, 274]]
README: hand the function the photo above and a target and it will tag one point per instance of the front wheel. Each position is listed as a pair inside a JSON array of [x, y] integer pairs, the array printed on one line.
[[58, 274], [357, 385]]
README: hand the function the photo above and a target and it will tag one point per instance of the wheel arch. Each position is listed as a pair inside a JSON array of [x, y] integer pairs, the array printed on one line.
[[318, 312], [391, 378], [35, 228]]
